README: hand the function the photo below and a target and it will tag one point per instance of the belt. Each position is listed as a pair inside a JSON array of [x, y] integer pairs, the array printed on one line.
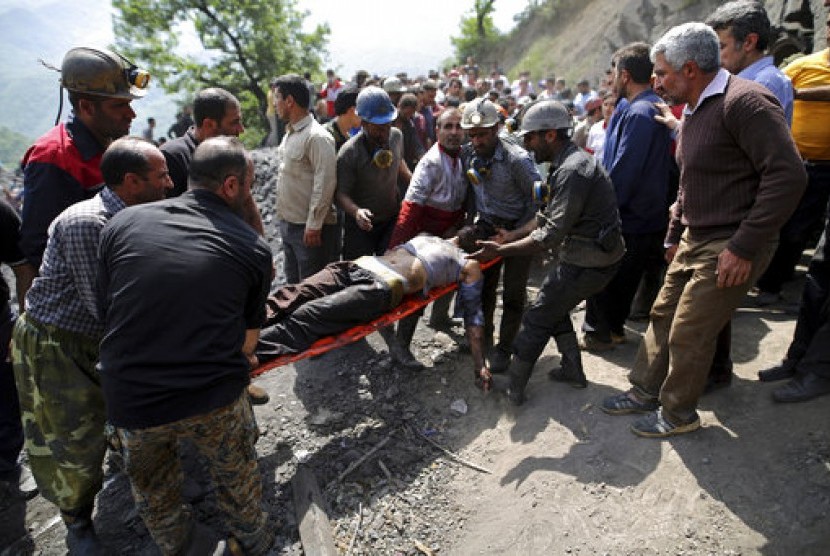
[[386, 274]]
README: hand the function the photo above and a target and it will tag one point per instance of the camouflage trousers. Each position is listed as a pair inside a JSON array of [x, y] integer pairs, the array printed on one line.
[[62, 409], [226, 436]]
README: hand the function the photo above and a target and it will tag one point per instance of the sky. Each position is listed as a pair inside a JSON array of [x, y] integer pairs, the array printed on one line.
[[364, 33], [381, 38]]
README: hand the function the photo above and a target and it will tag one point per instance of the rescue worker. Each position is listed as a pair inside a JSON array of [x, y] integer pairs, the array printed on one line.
[[62, 167], [502, 175], [579, 222]]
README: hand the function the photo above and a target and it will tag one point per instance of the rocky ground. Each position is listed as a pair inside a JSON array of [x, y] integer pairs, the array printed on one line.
[[446, 469]]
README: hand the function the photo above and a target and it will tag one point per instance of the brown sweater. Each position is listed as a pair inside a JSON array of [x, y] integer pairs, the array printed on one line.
[[741, 176]]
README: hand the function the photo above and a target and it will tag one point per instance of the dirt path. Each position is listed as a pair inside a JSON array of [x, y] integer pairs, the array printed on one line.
[[566, 478]]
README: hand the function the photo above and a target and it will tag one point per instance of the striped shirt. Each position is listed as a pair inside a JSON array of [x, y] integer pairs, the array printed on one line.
[[64, 293]]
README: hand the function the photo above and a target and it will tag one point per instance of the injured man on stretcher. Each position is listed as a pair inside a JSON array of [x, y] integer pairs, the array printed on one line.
[[350, 293]]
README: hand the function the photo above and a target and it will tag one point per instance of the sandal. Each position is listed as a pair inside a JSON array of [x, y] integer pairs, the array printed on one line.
[[625, 403]]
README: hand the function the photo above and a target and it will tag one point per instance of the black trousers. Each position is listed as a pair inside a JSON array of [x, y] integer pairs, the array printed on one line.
[[811, 340], [607, 311], [11, 431], [799, 229], [358, 242], [549, 314]]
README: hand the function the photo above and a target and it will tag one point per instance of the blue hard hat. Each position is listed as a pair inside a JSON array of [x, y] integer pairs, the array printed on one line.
[[374, 106]]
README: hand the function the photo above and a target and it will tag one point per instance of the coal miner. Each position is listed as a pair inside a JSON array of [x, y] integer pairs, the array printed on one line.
[[62, 167], [581, 223]]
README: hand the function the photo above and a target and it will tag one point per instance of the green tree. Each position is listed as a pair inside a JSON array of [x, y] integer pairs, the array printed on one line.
[[12, 146], [478, 32], [244, 43]]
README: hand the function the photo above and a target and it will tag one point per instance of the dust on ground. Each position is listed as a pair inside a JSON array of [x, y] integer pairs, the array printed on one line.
[[559, 476], [564, 478]]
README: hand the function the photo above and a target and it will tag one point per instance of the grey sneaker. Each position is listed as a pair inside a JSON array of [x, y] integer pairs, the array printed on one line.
[[655, 425], [627, 402]]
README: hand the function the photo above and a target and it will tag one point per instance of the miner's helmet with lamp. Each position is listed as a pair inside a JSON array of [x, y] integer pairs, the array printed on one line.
[[100, 72], [545, 115], [480, 113]]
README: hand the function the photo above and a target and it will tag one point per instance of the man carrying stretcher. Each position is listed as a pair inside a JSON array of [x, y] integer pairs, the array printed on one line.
[[350, 293]]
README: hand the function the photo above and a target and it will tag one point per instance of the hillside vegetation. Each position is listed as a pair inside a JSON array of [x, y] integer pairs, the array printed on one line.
[[576, 38]]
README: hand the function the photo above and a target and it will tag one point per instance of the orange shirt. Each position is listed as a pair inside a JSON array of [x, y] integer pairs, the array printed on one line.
[[811, 120]]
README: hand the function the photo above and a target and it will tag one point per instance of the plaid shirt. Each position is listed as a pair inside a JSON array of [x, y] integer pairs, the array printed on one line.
[[64, 293]]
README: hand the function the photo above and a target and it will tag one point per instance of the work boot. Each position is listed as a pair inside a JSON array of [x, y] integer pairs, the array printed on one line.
[[783, 371], [405, 333], [258, 395], [400, 354], [570, 365], [81, 539], [519, 373], [17, 485], [499, 360]]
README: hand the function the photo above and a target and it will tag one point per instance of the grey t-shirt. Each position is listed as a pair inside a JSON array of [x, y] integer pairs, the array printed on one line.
[[367, 185]]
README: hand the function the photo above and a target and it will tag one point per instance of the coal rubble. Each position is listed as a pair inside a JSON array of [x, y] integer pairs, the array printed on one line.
[[359, 424]]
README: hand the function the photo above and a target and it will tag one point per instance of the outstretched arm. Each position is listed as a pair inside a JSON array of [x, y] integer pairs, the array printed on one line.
[[469, 302]]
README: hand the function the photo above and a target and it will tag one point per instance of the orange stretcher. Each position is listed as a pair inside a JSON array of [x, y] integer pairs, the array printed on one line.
[[410, 304]]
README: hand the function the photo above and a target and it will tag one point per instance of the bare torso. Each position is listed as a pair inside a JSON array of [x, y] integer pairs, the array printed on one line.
[[408, 266]]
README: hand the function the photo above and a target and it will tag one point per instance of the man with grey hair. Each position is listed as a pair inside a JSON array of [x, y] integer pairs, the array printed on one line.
[[743, 30], [741, 178]]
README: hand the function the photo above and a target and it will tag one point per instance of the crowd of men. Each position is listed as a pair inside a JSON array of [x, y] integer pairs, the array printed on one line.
[[712, 161]]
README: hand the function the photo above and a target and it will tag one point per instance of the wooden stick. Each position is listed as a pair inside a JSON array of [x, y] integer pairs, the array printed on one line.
[[423, 548], [453, 455], [365, 456], [385, 470], [315, 530]]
